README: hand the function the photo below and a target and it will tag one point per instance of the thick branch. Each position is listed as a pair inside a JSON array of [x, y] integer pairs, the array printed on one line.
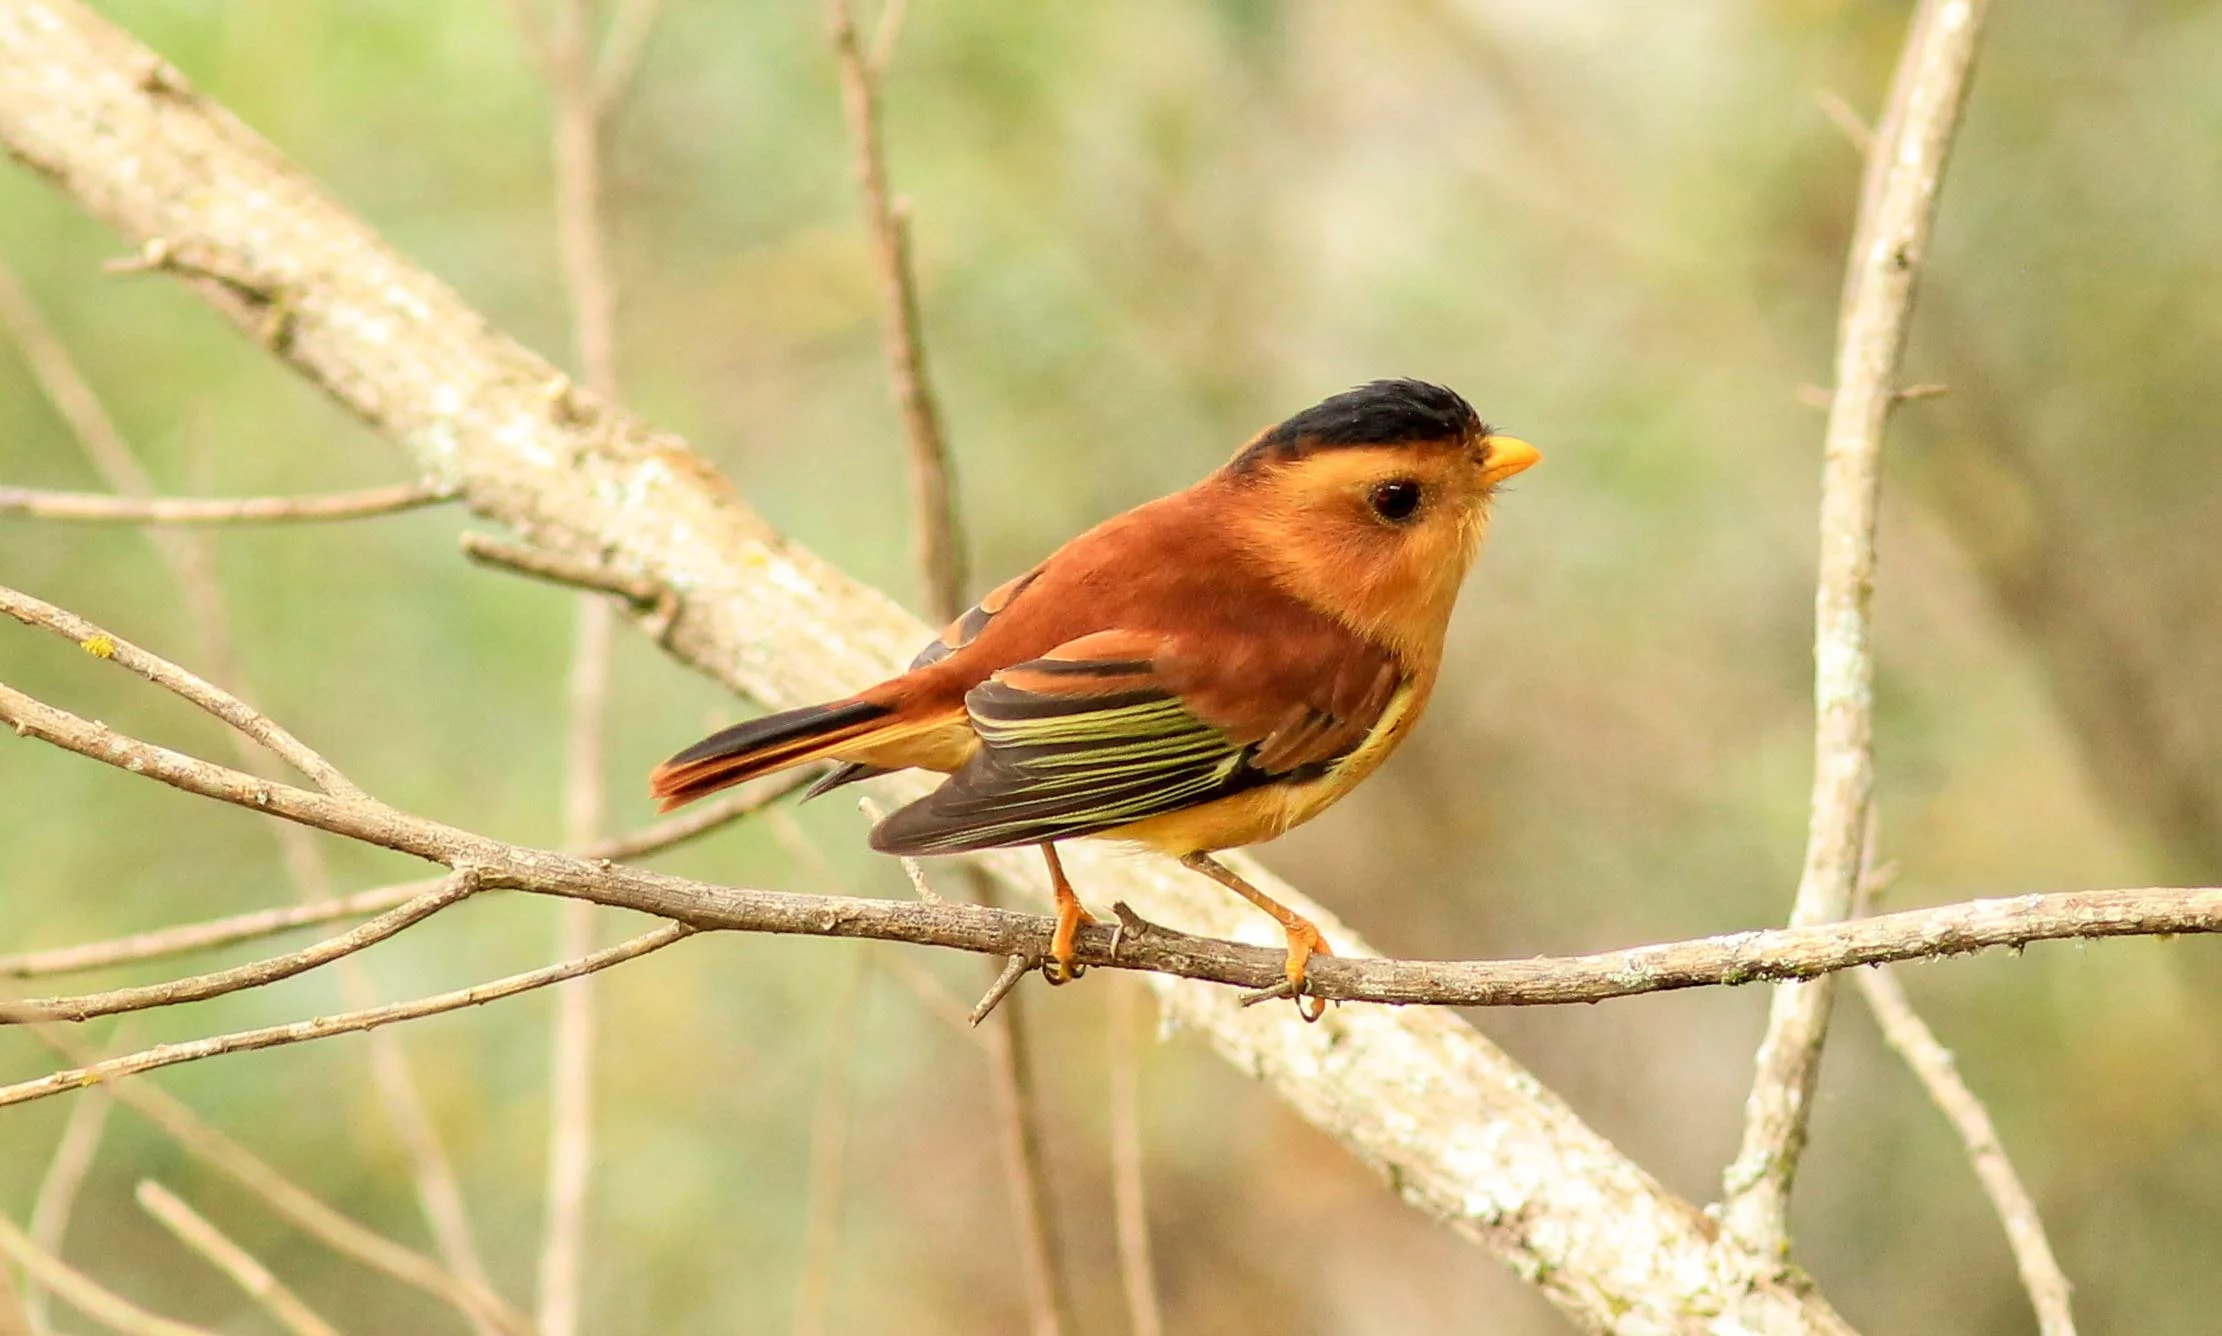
[[1897, 209]]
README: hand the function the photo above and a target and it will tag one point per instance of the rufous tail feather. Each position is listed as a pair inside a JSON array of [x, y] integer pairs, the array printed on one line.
[[761, 746]]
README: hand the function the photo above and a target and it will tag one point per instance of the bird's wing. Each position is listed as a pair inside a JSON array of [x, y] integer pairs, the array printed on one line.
[[1118, 726]]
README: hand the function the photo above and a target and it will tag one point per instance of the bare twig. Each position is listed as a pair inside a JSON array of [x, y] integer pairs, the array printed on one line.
[[294, 1203], [655, 838], [1933, 1066], [207, 695], [1129, 1202], [644, 594], [65, 1176], [195, 1232], [1898, 207], [1014, 969], [255, 974], [104, 508], [84, 1294], [187, 556], [939, 536], [346, 1022]]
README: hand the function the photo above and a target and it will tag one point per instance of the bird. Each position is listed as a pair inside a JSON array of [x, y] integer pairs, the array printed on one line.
[[1203, 672]]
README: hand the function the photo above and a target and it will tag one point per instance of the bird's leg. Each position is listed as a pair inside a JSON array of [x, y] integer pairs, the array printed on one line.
[[1304, 937], [1070, 915]]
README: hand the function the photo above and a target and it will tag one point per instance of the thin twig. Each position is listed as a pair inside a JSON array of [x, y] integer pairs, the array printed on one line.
[[64, 1179], [938, 534], [655, 838], [1933, 1066], [105, 508], [83, 1293], [1014, 969], [255, 974], [294, 1203], [1897, 210], [188, 557], [207, 695], [644, 594], [1129, 1202], [346, 1022], [195, 1232]]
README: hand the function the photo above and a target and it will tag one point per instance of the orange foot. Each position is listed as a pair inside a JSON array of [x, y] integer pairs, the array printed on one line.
[[1070, 915], [1304, 942]]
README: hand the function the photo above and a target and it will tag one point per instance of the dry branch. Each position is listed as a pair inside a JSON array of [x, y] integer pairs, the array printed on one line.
[[106, 508], [294, 1203], [83, 1293], [346, 1022], [1905, 169], [185, 937], [195, 1232], [1933, 1066], [1138, 944]]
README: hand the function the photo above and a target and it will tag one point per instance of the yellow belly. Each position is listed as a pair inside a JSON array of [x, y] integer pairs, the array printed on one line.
[[1256, 815]]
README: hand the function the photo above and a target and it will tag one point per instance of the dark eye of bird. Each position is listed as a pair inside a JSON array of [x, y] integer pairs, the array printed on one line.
[[1395, 501]]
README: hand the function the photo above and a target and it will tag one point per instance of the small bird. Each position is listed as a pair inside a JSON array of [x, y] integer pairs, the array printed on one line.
[[1203, 672]]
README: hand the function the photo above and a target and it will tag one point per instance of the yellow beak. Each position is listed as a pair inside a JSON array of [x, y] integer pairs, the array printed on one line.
[[1508, 455]]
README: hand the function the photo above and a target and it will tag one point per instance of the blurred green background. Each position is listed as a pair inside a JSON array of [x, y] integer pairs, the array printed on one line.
[[1144, 230]]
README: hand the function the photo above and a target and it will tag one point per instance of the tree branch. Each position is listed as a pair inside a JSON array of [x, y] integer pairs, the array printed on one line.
[[296, 1204], [195, 1232], [250, 721], [1932, 1065], [256, 974], [1136, 944], [105, 508], [1905, 169], [346, 1022], [83, 1293], [655, 838]]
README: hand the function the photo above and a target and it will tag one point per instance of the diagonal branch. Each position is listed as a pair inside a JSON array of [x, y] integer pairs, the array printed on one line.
[[255, 974], [1905, 170], [83, 1293], [193, 1230], [207, 695], [346, 1022], [1933, 1066]]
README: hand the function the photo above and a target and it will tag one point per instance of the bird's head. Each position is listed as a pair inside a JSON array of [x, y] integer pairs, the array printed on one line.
[[1372, 504]]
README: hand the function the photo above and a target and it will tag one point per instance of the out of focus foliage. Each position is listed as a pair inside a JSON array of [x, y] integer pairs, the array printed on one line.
[[1144, 230]]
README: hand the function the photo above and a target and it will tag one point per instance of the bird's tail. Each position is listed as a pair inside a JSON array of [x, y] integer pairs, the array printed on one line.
[[761, 746]]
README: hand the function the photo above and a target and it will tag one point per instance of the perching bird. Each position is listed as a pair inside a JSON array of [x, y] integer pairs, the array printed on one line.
[[1202, 672]]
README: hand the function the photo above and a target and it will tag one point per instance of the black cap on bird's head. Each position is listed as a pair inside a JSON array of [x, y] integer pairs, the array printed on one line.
[[1384, 412]]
